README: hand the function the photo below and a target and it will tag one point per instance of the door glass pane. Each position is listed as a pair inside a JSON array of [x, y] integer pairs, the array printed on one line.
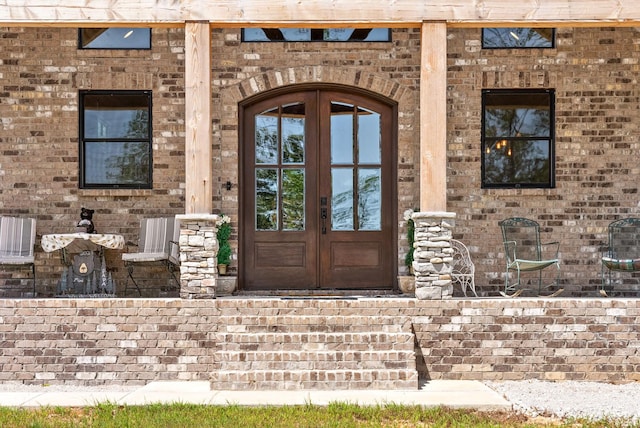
[[293, 133], [293, 199], [267, 137], [368, 137], [369, 199], [342, 199], [266, 199], [341, 133]]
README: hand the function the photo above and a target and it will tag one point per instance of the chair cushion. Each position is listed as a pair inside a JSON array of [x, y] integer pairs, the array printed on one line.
[[144, 257], [532, 265], [15, 260], [629, 265]]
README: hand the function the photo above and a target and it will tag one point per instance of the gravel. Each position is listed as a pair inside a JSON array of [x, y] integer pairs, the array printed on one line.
[[565, 399]]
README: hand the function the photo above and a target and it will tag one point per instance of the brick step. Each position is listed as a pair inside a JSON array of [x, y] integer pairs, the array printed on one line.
[[351, 360], [310, 323], [314, 379], [337, 341], [314, 351]]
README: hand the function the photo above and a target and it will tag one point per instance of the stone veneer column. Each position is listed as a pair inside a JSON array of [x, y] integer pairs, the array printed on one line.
[[433, 254], [198, 251]]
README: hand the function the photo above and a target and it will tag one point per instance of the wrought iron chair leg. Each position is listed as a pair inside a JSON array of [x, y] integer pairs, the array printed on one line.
[[33, 271], [130, 275], [171, 268]]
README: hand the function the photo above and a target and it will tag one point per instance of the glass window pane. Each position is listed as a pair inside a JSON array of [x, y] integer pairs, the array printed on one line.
[[341, 133], [266, 199], [520, 161], [293, 199], [116, 163], [369, 199], [518, 38], [115, 38], [267, 137], [116, 116], [368, 137], [308, 34], [517, 115], [517, 133], [356, 35], [342, 199], [293, 133]]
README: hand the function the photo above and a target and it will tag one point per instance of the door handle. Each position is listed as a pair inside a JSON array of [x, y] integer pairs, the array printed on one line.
[[323, 216]]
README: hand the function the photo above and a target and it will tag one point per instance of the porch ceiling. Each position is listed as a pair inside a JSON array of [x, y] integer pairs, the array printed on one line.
[[320, 13]]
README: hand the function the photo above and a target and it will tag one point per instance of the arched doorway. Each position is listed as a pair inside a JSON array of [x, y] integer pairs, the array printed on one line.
[[318, 198]]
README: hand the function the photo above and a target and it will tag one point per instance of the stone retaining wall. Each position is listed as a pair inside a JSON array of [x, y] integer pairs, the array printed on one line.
[[135, 341]]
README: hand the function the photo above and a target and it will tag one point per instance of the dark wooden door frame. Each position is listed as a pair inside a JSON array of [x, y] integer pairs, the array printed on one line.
[[246, 189]]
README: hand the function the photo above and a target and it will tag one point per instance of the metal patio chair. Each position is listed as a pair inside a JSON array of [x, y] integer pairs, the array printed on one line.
[[622, 253], [463, 269], [17, 241], [525, 253], [158, 244]]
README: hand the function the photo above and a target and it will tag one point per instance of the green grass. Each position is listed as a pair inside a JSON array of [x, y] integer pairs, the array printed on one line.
[[335, 415]]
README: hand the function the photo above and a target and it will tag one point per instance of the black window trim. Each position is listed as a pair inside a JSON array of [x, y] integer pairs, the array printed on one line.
[[552, 140], [81, 140]]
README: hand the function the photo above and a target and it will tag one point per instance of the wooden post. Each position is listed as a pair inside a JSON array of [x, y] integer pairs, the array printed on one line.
[[198, 132], [433, 117]]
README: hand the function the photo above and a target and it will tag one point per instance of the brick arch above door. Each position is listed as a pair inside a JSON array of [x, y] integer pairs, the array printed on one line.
[[351, 77]]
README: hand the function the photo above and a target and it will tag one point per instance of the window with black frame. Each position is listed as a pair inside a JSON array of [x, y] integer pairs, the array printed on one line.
[[115, 139], [518, 38], [114, 38], [316, 35], [518, 138]]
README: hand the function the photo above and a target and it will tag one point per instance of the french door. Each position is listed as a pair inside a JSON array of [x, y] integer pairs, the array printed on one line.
[[317, 192]]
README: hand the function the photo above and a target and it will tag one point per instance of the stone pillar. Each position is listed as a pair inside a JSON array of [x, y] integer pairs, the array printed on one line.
[[198, 250], [433, 254]]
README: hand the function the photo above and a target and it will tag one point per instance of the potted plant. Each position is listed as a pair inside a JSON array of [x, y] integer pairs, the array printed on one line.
[[224, 249], [406, 283], [408, 259]]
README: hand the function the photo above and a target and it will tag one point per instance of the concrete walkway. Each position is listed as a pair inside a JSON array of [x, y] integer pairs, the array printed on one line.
[[455, 394]]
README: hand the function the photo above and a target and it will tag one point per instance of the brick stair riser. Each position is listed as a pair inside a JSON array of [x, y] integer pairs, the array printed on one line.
[[294, 351]]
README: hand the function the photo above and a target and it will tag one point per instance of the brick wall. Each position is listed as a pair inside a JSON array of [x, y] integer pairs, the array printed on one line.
[[41, 72], [593, 70], [135, 341]]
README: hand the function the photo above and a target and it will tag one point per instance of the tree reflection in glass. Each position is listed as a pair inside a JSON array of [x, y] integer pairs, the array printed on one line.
[[521, 37], [369, 199], [280, 143], [116, 134], [293, 199], [517, 139], [266, 199], [342, 199]]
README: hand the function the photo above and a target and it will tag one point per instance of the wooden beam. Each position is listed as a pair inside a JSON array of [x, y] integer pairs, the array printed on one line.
[[433, 117], [320, 13], [198, 130]]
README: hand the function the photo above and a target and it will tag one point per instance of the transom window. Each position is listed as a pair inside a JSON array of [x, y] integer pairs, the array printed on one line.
[[115, 139], [518, 138], [114, 38], [520, 38], [316, 35]]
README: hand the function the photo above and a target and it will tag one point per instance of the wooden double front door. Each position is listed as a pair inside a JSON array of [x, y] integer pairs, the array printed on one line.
[[317, 192]]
